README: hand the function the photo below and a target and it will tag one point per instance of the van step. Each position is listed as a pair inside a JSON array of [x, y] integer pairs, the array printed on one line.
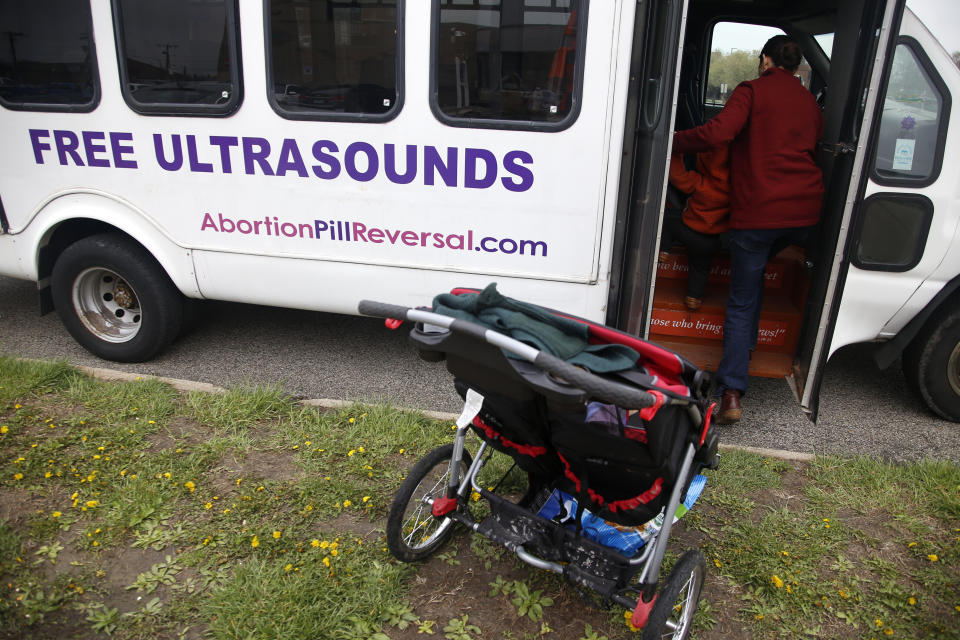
[[779, 320], [781, 272], [706, 355]]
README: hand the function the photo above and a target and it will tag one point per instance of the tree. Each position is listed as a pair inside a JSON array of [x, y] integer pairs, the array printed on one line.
[[727, 70]]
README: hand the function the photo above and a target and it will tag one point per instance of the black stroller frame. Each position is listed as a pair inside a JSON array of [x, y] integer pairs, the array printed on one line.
[[531, 387]]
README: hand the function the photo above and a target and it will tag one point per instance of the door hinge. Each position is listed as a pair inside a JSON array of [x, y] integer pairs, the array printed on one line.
[[838, 148]]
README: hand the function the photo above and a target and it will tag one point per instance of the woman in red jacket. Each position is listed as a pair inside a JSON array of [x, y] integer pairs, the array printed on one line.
[[772, 125]]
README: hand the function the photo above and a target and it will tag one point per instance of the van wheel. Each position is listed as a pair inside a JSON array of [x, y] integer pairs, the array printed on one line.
[[931, 364], [115, 299]]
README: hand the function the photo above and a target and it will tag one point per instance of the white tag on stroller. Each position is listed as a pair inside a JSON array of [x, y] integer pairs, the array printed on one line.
[[470, 408]]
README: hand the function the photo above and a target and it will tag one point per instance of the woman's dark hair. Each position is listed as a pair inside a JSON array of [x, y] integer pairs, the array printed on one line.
[[784, 52]]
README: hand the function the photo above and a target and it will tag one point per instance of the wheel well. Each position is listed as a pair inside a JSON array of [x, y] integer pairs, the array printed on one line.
[[65, 234], [889, 351]]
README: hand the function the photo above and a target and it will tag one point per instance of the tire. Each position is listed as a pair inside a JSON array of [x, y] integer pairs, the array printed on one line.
[[931, 364], [115, 299], [413, 533], [677, 600]]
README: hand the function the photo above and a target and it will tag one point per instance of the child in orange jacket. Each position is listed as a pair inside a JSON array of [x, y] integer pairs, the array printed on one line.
[[705, 216]]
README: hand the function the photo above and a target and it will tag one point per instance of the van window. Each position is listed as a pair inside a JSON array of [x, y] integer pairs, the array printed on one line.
[[178, 57], [509, 63], [912, 128], [735, 56], [47, 57], [892, 231], [333, 59]]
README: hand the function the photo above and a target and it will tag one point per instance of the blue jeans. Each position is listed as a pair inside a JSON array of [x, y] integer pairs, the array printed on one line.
[[750, 249]]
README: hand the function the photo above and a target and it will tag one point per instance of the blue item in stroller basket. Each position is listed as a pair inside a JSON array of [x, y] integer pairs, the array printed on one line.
[[561, 508]]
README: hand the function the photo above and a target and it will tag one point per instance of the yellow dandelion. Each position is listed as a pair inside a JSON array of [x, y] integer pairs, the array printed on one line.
[[189, 485], [16, 406], [47, 474], [324, 544], [352, 420], [366, 498], [96, 544], [717, 562], [56, 514], [475, 496], [932, 557], [351, 452], [628, 619], [4, 429], [288, 567], [255, 542], [346, 504], [277, 534], [239, 480], [758, 616], [326, 562], [306, 443], [314, 543], [361, 450], [208, 505], [401, 450], [151, 422], [911, 545], [334, 552], [18, 476], [912, 600], [92, 503], [879, 622], [167, 475], [777, 582], [888, 631]]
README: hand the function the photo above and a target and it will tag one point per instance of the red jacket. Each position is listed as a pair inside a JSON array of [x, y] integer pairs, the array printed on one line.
[[708, 209], [772, 125]]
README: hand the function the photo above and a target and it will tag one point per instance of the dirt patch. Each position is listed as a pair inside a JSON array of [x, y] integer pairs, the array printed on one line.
[[254, 466], [180, 432]]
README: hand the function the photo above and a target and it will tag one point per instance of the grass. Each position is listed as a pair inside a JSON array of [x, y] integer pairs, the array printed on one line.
[[138, 512]]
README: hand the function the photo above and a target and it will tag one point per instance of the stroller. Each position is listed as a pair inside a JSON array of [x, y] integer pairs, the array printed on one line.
[[611, 435]]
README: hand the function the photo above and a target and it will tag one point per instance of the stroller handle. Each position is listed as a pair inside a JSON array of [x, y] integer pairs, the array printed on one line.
[[614, 392]]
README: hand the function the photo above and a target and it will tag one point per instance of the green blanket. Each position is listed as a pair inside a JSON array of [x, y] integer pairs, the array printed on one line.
[[537, 327]]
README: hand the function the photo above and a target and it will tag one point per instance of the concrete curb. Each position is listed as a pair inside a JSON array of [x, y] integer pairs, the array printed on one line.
[[328, 403]]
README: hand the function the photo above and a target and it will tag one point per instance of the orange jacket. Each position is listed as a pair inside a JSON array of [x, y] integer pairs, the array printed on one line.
[[708, 209]]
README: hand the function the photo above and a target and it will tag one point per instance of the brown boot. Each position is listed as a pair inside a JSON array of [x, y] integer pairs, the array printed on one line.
[[730, 410], [691, 303]]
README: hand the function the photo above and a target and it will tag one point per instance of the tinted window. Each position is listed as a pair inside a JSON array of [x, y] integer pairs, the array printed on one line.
[[329, 58], [509, 60], [910, 139], [178, 56], [47, 54], [892, 232]]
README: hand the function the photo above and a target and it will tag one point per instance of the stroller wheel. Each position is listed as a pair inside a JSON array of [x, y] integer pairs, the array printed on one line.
[[413, 533], [672, 614]]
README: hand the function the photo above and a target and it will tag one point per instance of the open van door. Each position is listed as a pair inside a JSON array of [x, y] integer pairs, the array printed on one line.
[[863, 46]]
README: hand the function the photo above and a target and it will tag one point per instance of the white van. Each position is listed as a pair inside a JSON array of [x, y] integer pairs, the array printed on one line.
[[312, 153]]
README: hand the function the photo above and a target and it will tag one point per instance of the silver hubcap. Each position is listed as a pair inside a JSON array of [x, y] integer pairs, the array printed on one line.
[[107, 305], [953, 369]]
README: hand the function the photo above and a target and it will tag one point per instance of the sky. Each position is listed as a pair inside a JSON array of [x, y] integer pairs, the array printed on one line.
[[941, 17]]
